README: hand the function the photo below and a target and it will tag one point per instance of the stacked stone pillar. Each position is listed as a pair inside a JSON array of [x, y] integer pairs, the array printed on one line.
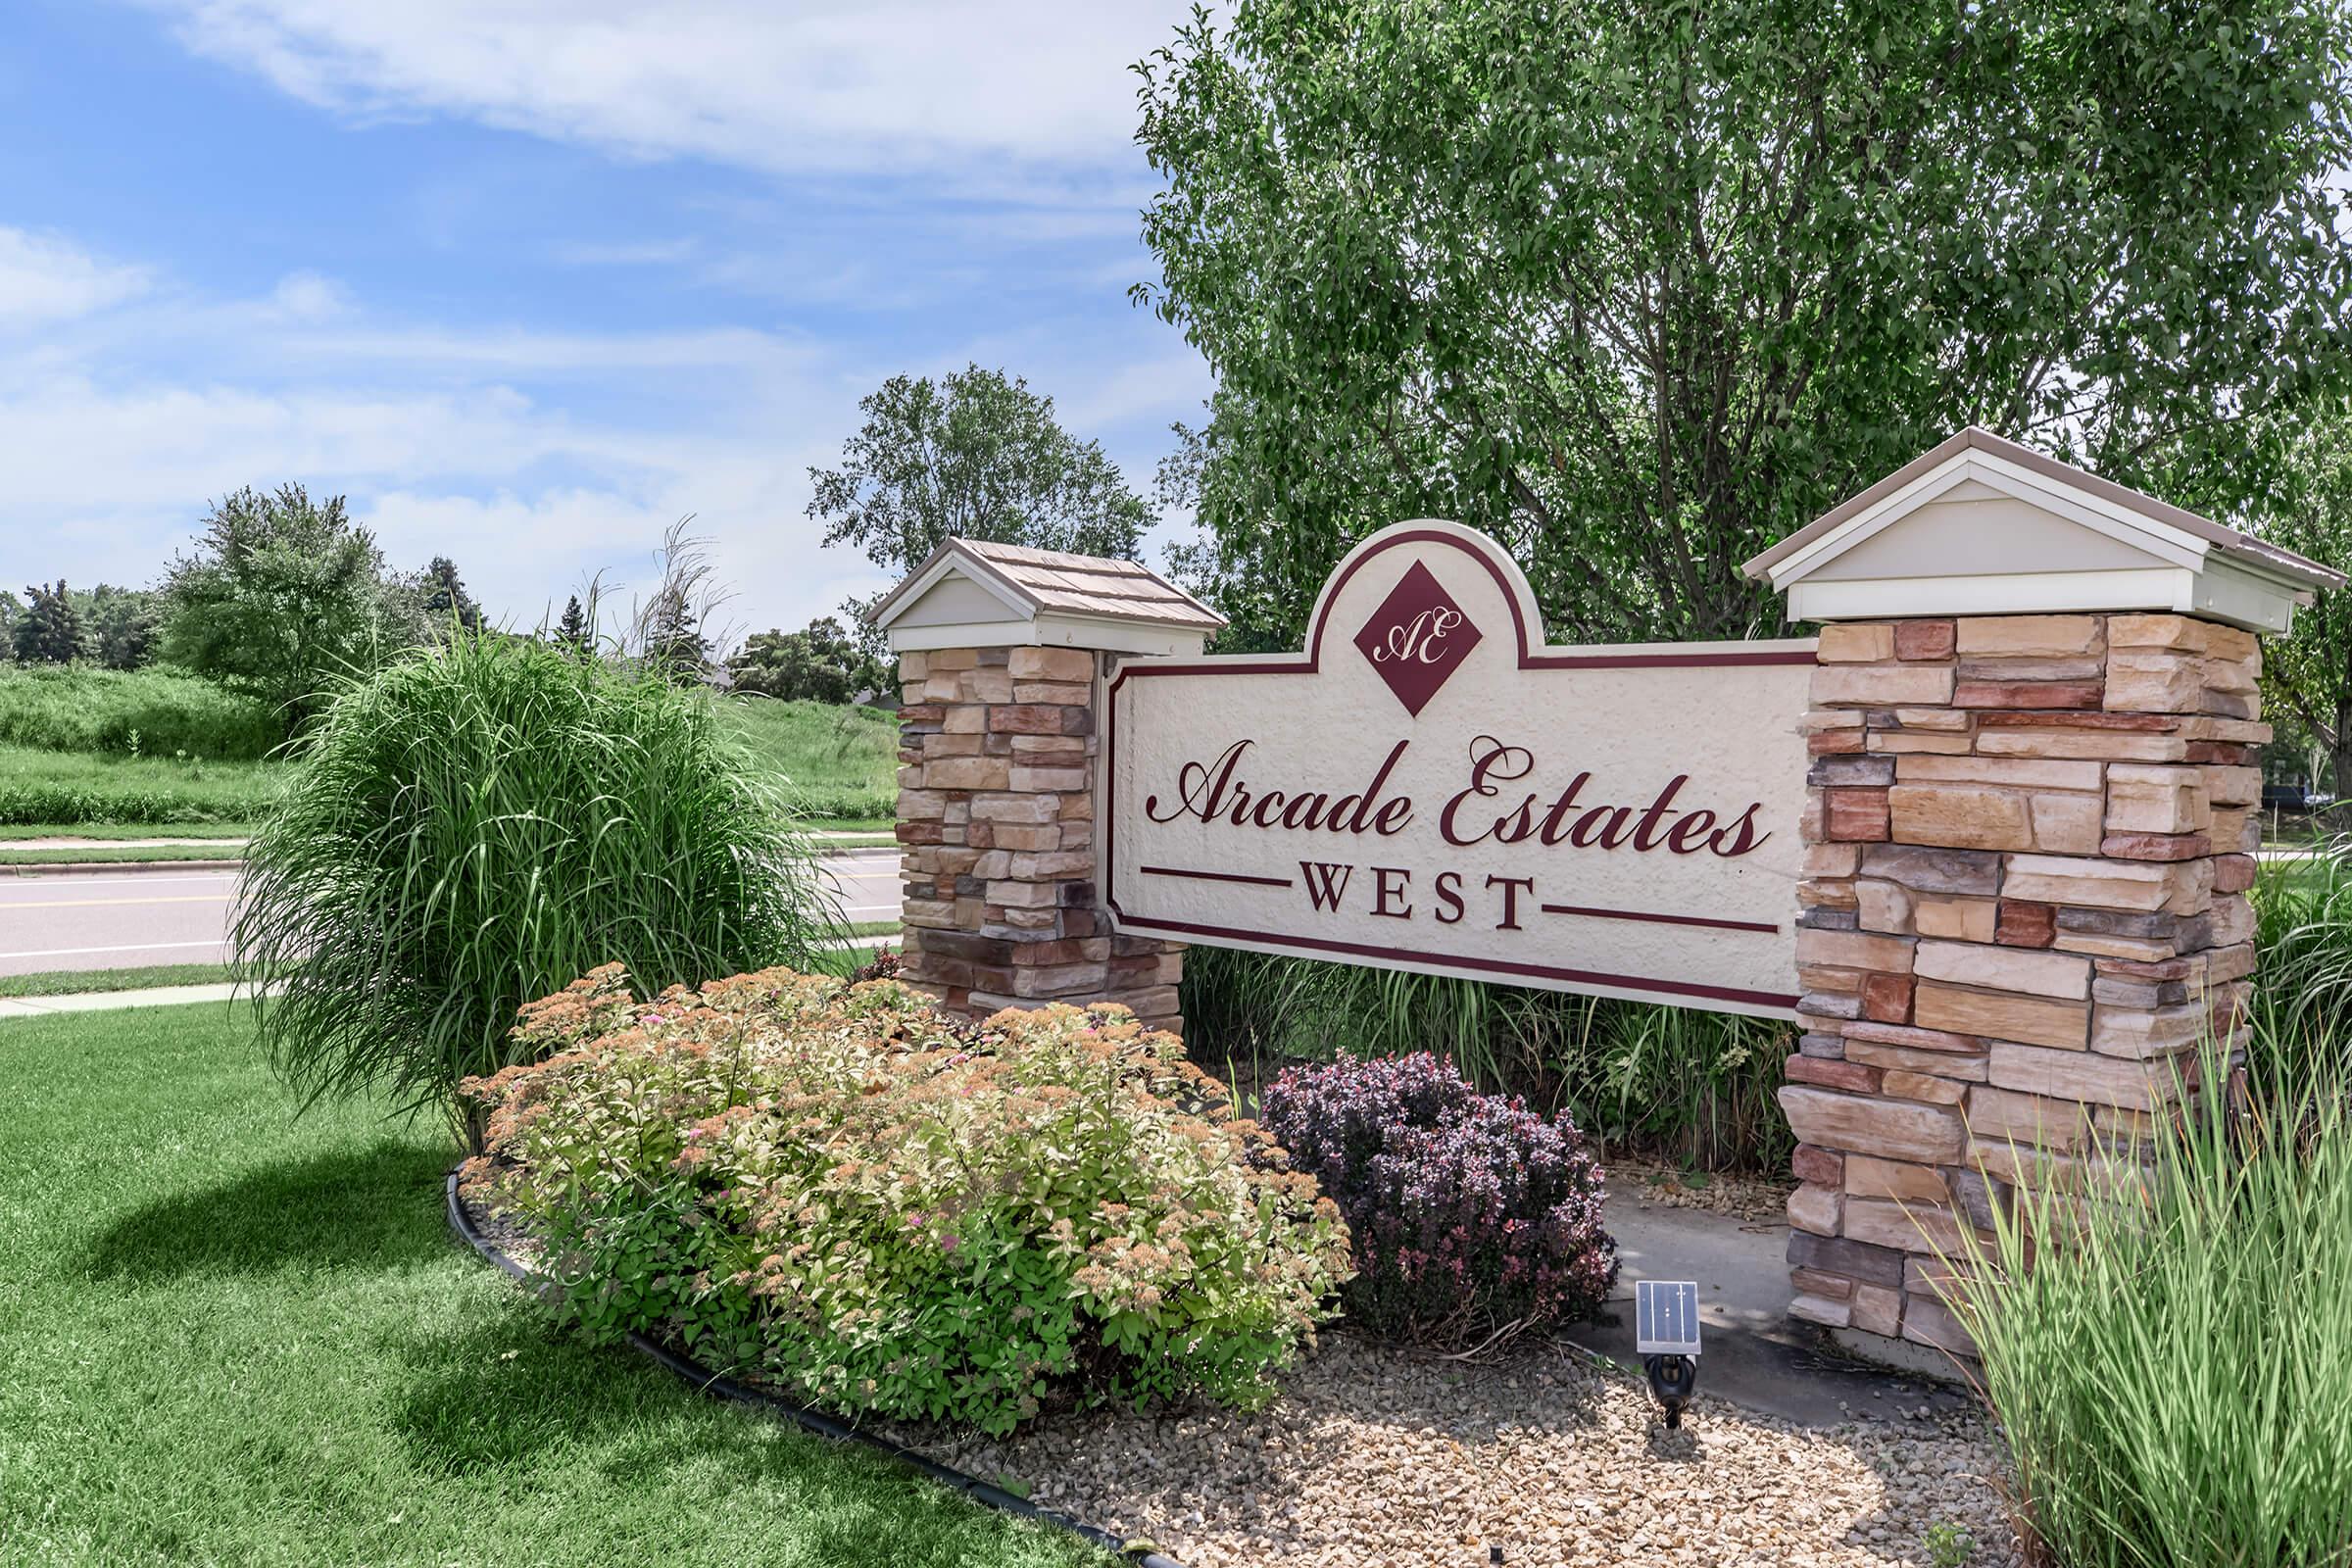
[[997, 752], [2028, 843]]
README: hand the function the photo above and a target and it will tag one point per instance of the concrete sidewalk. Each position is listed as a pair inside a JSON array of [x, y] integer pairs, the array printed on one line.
[[103, 1001], [1752, 1353]]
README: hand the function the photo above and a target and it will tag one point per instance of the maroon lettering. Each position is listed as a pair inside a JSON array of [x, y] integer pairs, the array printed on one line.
[[1305, 810], [1384, 890], [1326, 884], [1489, 758], [1202, 789], [1550, 831], [1605, 825], [1742, 833], [1690, 834], [1510, 886], [1358, 808], [1450, 898], [1646, 837]]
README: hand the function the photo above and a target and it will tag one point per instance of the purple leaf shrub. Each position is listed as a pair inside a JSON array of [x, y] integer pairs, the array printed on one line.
[[1470, 1213]]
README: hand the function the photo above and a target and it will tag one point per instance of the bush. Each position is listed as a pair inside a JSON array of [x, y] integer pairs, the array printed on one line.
[[837, 1190], [2170, 1372], [1695, 1088], [1472, 1216], [474, 825], [148, 712], [2303, 952]]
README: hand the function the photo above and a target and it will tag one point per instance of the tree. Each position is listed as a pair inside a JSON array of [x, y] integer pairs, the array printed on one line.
[[1641, 287], [11, 611], [2307, 675], [572, 630], [823, 664], [445, 596], [282, 596], [973, 456], [118, 625], [48, 632], [673, 639]]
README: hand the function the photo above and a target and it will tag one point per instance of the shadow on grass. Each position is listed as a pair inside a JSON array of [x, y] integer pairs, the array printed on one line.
[[506, 1403], [372, 1207]]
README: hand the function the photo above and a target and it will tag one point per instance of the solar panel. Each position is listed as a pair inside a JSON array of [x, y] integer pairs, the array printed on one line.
[[1666, 1317]]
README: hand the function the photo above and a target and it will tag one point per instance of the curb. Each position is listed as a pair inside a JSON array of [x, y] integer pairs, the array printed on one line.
[[86, 867], [813, 1420]]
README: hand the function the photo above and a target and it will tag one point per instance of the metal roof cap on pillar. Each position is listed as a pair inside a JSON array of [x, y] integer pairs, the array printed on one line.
[[974, 594], [1983, 526]]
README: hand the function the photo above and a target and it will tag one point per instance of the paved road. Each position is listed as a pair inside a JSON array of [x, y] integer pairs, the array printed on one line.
[[127, 919]]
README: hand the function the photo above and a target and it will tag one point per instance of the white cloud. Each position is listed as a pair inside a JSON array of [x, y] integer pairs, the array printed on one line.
[[308, 297], [44, 279], [813, 85]]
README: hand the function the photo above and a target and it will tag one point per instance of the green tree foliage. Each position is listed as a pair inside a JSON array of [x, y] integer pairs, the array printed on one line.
[[282, 596], [11, 609], [2307, 675], [572, 630], [446, 598], [823, 664], [49, 631], [118, 625], [673, 639], [973, 456], [1640, 286]]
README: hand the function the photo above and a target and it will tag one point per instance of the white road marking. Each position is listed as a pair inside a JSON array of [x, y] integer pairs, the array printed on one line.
[[134, 946]]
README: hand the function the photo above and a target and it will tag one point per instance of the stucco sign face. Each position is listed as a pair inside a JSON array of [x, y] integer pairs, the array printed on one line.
[[1428, 786]]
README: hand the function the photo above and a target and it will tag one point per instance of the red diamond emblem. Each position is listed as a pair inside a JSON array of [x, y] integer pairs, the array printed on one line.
[[1417, 637]]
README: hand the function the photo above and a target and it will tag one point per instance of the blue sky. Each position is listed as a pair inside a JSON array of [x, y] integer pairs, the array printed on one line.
[[527, 280]]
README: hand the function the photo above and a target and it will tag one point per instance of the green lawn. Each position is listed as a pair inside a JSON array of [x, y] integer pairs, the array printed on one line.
[[231, 1336], [73, 982], [144, 854], [15, 831]]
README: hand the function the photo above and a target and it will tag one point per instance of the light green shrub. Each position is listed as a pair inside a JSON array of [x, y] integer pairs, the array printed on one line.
[[2171, 1370], [836, 1189]]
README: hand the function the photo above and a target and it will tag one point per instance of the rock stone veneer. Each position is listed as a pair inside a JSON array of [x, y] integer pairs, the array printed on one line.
[[996, 834], [2028, 843]]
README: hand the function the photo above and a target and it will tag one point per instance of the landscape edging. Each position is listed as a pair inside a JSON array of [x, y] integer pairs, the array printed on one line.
[[813, 1420]]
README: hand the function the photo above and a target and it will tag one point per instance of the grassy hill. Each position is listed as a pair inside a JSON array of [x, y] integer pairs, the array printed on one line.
[[67, 757]]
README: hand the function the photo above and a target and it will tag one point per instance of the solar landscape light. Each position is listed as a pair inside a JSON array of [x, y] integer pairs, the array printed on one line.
[[1666, 1338]]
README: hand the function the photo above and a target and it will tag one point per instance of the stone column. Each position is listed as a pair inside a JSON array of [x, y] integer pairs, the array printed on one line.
[[997, 748], [2028, 843]]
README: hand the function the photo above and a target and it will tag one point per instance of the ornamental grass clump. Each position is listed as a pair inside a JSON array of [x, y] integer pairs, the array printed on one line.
[[840, 1192], [2165, 1333], [480, 823], [1471, 1217]]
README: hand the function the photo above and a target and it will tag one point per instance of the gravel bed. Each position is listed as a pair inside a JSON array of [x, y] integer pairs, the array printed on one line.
[[1378, 1454], [1373, 1455], [1750, 1198]]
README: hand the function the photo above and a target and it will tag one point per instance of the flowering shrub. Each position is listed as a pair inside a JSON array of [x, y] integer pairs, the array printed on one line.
[[1470, 1215], [839, 1190]]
